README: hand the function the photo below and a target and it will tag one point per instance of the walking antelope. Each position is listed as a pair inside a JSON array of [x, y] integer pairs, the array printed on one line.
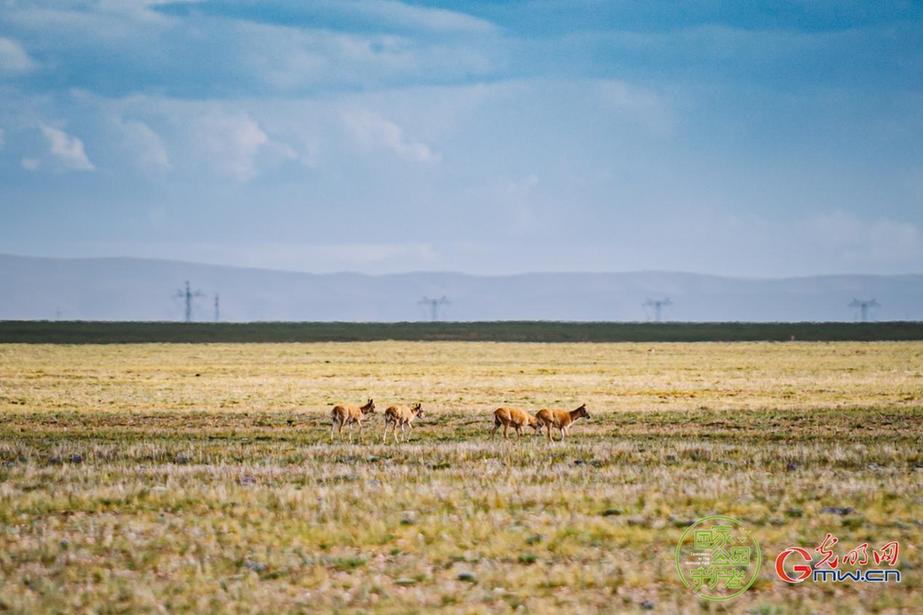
[[344, 415], [561, 419], [515, 418], [400, 416]]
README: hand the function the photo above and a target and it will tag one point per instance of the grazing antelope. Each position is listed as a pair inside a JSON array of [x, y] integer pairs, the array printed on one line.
[[400, 416], [561, 419], [344, 415], [515, 418]]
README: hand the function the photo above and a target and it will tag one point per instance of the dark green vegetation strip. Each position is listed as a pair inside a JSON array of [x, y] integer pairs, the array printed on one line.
[[41, 332]]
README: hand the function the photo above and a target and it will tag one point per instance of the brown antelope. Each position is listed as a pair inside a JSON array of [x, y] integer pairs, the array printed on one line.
[[400, 416], [561, 419], [344, 415], [515, 418]]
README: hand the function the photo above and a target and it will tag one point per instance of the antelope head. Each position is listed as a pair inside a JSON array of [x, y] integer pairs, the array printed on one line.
[[581, 411]]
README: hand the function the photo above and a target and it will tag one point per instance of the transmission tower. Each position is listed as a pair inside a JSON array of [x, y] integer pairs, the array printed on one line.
[[188, 296], [658, 305], [864, 307], [434, 305], [217, 308]]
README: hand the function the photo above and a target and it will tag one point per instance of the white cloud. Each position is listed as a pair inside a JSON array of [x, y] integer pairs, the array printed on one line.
[[371, 131], [647, 107], [30, 164], [860, 242], [67, 148], [99, 23], [13, 58], [197, 138], [230, 144], [289, 59], [144, 145], [126, 47], [435, 19]]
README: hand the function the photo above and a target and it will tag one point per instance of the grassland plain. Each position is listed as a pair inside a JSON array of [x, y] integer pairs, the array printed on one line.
[[162, 478]]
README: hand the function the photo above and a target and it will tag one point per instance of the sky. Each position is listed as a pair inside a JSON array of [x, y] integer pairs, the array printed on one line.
[[741, 139]]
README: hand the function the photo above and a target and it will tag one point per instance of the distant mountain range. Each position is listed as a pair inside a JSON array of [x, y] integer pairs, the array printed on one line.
[[141, 289]]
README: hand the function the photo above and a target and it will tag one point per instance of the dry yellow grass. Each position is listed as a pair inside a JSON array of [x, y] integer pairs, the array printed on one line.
[[462, 376], [171, 477]]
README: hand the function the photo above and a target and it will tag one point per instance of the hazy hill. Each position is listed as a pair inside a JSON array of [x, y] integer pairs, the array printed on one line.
[[138, 289]]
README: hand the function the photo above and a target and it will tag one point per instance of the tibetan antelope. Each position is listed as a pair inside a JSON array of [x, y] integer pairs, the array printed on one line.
[[402, 416], [561, 419], [344, 415], [515, 418]]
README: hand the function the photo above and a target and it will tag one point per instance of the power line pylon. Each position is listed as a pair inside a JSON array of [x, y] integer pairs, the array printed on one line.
[[434, 305], [188, 296], [658, 305], [864, 306]]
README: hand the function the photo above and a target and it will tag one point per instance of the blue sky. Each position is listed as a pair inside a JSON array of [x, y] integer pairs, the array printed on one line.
[[753, 139]]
